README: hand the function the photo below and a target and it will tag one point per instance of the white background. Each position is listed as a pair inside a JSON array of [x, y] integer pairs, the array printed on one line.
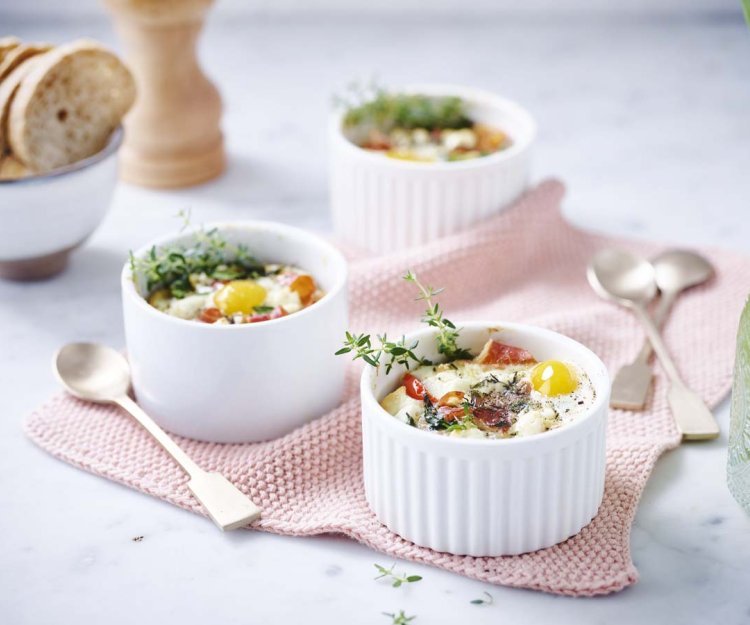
[[644, 111]]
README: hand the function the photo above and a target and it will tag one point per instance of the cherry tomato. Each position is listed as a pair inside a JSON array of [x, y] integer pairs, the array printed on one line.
[[210, 315], [553, 377], [304, 286], [414, 387]]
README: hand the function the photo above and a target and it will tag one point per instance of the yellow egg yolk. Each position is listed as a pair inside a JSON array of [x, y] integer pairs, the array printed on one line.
[[553, 377], [239, 296]]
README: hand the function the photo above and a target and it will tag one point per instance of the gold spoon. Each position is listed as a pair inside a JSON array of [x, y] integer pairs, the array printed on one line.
[[675, 271], [100, 374], [630, 281]]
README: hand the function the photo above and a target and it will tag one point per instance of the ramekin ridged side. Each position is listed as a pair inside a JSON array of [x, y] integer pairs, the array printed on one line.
[[485, 497], [382, 204]]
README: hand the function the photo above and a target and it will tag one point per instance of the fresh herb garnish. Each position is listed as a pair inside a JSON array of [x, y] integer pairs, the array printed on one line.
[[447, 336], [488, 379], [171, 267], [397, 580], [488, 601], [432, 416], [397, 352], [374, 107], [263, 309], [512, 384], [400, 618]]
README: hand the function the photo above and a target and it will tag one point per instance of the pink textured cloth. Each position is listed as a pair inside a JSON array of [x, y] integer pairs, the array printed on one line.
[[527, 264]]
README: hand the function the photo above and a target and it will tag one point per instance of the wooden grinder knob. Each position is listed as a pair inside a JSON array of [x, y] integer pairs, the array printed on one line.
[[172, 136]]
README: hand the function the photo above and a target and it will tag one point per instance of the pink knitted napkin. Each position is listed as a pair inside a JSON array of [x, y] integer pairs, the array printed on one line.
[[526, 264]]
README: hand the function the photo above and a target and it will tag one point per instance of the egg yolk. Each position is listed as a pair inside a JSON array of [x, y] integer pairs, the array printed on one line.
[[239, 296], [553, 377]]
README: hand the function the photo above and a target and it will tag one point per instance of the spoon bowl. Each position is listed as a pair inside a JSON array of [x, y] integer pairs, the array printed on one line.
[[630, 281], [677, 270], [100, 374], [622, 277], [93, 372]]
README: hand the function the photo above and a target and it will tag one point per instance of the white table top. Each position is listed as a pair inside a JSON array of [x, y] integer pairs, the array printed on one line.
[[646, 122]]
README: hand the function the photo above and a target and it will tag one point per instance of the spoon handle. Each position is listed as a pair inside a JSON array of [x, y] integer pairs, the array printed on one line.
[[227, 506], [661, 312], [694, 419], [148, 424]]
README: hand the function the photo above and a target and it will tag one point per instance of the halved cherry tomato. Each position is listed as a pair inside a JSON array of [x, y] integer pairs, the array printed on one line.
[[494, 353], [210, 315], [304, 286], [414, 387]]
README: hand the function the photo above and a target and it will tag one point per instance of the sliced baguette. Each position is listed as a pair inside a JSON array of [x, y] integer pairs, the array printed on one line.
[[8, 88], [19, 54], [66, 108], [7, 44]]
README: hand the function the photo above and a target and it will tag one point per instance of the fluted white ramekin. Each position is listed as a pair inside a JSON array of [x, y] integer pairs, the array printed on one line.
[[485, 497], [248, 382], [383, 204]]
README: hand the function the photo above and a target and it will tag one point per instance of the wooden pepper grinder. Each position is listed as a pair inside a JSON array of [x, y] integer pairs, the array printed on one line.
[[173, 137]]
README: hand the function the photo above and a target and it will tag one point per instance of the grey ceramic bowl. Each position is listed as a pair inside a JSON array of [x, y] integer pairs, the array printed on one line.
[[44, 218]]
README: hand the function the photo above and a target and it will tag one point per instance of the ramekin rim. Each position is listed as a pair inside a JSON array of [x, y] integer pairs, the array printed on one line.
[[469, 93], [341, 276], [598, 407]]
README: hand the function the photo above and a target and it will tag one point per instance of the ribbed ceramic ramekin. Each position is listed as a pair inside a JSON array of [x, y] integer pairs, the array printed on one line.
[[383, 204], [484, 497]]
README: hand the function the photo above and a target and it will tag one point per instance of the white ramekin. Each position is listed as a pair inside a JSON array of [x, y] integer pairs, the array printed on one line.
[[43, 218], [242, 383], [382, 204], [486, 497]]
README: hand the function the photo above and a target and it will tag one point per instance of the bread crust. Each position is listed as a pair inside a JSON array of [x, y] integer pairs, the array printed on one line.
[[8, 88], [18, 54]]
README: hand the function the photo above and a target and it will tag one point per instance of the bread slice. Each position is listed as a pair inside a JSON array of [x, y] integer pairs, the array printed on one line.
[[19, 54], [8, 89], [7, 44], [11, 168], [68, 105]]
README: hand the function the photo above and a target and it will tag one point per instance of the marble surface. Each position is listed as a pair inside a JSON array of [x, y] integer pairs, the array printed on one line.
[[646, 120]]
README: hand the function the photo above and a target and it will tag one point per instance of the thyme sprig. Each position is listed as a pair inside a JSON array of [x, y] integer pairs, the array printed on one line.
[[397, 580], [383, 351], [171, 267], [400, 618], [372, 106], [393, 352], [489, 600], [447, 336]]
